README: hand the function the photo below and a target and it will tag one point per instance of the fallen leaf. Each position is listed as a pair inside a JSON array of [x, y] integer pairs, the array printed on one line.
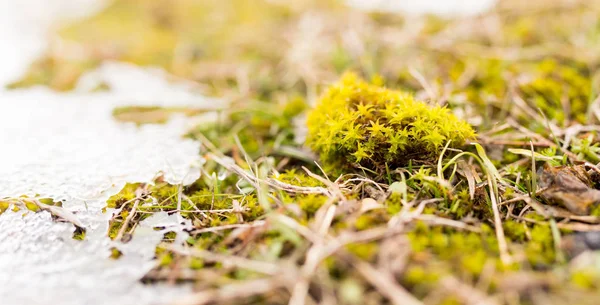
[[569, 186]]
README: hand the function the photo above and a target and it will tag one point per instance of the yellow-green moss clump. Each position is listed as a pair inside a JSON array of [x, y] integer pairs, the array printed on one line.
[[368, 125]]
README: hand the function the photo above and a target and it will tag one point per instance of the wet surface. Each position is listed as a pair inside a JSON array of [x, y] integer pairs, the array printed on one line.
[[68, 147]]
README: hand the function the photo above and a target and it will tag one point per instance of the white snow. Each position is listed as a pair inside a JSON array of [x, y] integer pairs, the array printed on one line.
[[67, 146]]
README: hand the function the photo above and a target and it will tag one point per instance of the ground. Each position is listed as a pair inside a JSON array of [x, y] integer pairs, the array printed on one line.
[[445, 160]]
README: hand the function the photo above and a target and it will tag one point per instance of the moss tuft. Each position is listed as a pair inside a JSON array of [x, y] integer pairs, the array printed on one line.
[[367, 125]]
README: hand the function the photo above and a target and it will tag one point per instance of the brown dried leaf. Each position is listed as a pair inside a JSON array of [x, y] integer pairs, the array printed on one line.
[[569, 186]]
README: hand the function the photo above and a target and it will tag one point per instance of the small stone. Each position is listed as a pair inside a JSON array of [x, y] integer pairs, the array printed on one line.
[[592, 240]]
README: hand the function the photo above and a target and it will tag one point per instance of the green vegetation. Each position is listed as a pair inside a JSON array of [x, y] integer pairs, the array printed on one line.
[[380, 200], [368, 125]]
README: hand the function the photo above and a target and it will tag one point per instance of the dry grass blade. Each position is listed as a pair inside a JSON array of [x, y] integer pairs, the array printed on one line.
[[236, 291], [493, 177], [468, 294], [125, 224], [440, 221], [258, 223], [384, 283], [60, 212], [229, 260], [467, 172], [255, 181]]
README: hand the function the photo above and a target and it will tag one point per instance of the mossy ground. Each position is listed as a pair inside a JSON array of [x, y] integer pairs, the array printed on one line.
[[271, 225]]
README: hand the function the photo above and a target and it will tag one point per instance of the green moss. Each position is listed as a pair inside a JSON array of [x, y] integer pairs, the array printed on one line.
[[31, 206], [364, 124], [463, 253], [312, 202], [451, 300], [79, 234], [4, 205], [585, 279], [262, 129], [515, 231], [365, 251], [416, 275], [555, 86], [294, 177], [371, 219], [126, 194], [540, 250], [474, 262], [115, 253], [595, 211], [394, 203], [165, 258]]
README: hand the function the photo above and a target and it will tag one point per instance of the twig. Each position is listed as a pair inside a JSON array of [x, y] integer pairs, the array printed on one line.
[[60, 212], [384, 282], [468, 294], [228, 260], [258, 223], [234, 291], [127, 220]]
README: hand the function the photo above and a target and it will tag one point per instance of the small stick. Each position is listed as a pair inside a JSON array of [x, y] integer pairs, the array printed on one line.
[[127, 220]]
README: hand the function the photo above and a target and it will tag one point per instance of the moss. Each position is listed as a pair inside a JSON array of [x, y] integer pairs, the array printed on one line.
[[515, 231], [196, 263], [420, 279], [451, 300], [474, 262], [169, 236], [294, 177], [4, 205], [540, 250], [595, 211], [462, 253], [164, 258], [31, 206], [394, 203], [417, 274], [365, 251], [312, 202], [461, 205], [115, 253], [371, 219], [126, 194], [364, 124], [587, 148], [79, 234], [584, 279], [555, 84], [203, 207], [262, 129]]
